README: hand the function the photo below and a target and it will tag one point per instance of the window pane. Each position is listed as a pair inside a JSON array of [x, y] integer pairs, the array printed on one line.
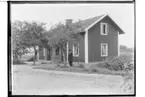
[[104, 49], [76, 49], [104, 27]]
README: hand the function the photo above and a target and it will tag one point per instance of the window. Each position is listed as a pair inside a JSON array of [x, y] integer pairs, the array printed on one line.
[[75, 49], [104, 49], [103, 28]]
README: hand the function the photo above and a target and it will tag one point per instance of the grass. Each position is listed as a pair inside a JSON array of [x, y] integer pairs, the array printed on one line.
[[80, 69], [18, 62]]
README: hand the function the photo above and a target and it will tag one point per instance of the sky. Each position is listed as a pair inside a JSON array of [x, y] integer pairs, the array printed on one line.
[[122, 14]]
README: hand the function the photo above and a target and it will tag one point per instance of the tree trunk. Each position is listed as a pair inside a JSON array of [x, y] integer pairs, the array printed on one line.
[[35, 54], [64, 55], [62, 59], [16, 59]]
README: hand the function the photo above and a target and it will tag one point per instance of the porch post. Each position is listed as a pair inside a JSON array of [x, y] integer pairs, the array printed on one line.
[[44, 54], [53, 55], [86, 46], [67, 49], [38, 54]]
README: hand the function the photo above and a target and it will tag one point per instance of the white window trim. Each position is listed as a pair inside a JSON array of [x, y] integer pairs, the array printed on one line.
[[106, 50], [106, 30], [78, 50]]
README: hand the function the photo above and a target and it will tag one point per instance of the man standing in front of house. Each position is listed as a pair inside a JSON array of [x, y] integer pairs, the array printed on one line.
[[70, 58]]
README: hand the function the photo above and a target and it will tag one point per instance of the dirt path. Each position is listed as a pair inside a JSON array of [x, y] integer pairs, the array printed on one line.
[[28, 81]]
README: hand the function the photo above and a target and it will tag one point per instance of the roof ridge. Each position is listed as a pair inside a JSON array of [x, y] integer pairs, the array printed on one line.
[[89, 21], [94, 17]]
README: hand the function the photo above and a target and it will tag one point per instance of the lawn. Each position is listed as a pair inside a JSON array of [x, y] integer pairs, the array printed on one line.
[[81, 68]]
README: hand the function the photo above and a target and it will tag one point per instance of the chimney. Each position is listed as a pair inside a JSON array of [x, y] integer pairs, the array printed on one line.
[[68, 21]]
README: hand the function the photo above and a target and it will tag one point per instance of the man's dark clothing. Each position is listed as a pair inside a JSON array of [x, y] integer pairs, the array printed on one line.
[[70, 63], [70, 59]]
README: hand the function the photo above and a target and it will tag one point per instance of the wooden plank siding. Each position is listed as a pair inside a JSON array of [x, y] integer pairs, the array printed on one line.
[[81, 57], [95, 39]]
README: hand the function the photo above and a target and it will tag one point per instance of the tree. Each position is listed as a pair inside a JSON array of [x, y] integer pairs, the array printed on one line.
[[29, 35], [124, 48], [17, 48], [32, 36], [62, 33]]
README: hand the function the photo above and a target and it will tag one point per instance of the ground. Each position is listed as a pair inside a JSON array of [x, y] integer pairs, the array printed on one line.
[[29, 81]]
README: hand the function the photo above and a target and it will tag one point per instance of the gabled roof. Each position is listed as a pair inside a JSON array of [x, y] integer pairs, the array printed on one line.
[[88, 23]]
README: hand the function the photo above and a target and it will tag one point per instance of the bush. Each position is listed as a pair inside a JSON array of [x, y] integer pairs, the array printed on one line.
[[80, 66], [116, 63], [44, 62], [31, 59], [102, 64], [129, 66], [18, 62]]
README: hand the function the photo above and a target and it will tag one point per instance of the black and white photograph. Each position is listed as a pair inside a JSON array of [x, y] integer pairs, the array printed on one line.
[[60, 48]]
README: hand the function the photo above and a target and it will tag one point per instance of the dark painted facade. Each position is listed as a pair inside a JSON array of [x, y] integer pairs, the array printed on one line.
[[95, 39], [80, 41]]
